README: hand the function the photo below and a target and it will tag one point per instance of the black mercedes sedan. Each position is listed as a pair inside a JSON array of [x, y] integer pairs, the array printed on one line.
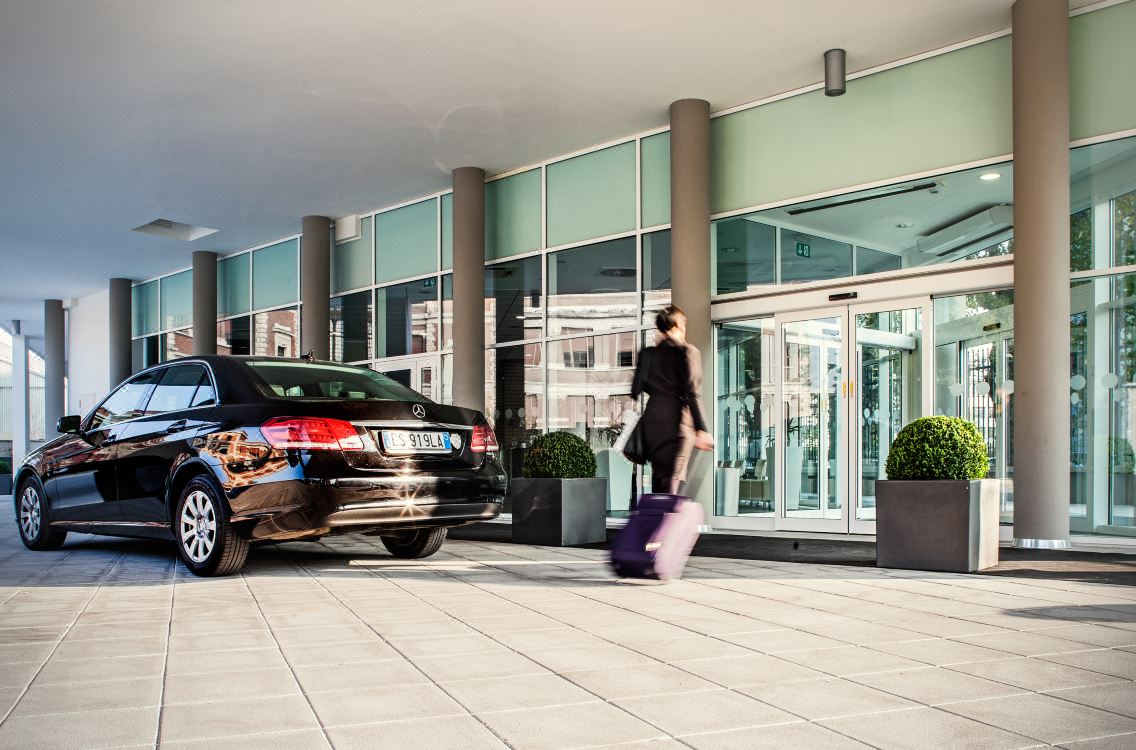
[[217, 453]]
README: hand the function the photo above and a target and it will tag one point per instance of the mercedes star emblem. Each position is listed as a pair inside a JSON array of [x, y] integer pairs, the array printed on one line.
[[419, 411]]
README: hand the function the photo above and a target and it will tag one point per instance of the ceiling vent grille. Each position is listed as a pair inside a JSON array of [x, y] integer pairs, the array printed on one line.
[[174, 230]]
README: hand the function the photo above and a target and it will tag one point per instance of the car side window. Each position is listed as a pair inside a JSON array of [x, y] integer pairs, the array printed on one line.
[[124, 403], [204, 395], [177, 390]]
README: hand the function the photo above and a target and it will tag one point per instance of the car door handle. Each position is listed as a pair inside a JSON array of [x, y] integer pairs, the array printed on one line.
[[177, 426]]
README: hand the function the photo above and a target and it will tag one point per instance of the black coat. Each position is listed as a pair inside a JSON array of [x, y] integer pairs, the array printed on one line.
[[671, 374]]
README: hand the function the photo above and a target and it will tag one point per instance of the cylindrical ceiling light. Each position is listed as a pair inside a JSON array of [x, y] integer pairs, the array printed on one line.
[[834, 84]]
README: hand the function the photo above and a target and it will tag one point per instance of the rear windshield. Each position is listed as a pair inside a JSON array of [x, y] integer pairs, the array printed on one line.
[[299, 380]]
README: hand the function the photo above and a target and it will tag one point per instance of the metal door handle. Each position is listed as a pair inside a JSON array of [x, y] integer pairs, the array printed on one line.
[[177, 426]]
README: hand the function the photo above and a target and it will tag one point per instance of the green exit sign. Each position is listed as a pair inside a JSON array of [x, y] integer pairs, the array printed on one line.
[[804, 250]]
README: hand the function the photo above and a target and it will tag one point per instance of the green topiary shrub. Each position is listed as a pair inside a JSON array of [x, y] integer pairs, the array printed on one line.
[[938, 448], [559, 455], [5, 467]]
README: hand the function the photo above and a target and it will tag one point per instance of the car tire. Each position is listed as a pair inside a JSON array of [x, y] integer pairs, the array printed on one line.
[[33, 518], [414, 543], [207, 542]]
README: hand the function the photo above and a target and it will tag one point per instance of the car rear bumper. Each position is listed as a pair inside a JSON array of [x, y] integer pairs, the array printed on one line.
[[306, 508]]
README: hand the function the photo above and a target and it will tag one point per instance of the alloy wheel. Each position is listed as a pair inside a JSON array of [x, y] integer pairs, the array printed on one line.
[[31, 513], [198, 526]]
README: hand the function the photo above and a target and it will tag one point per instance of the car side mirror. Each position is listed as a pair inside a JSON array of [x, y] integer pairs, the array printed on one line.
[[70, 425]]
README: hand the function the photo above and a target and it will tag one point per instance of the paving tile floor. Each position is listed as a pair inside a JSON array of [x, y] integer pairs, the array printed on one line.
[[109, 643]]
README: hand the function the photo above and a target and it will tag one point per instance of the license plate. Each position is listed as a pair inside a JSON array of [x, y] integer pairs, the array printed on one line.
[[406, 441]]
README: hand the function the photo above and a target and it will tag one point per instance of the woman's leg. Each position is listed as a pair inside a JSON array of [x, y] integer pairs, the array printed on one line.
[[662, 467], [684, 447]]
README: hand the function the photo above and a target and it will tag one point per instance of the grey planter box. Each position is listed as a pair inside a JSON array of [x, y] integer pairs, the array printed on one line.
[[950, 526], [559, 512], [5, 484]]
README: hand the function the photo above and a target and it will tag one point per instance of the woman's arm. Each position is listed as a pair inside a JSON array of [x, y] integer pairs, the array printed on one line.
[[690, 384], [639, 381]]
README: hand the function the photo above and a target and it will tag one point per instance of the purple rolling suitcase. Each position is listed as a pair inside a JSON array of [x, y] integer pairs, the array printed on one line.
[[658, 538]]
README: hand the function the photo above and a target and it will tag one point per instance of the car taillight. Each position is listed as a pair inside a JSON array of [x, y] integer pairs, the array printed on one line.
[[483, 440], [311, 434]]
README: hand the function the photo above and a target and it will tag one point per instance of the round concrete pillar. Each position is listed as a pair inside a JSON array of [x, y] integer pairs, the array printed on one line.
[[469, 288], [1041, 273], [690, 247], [54, 364], [118, 331], [315, 287], [204, 302]]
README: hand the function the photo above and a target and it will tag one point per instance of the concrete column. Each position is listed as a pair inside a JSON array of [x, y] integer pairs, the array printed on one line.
[[1041, 273], [204, 302], [118, 331], [21, 414], [55, 365], [315, 287], [690, 249], [469, 288]]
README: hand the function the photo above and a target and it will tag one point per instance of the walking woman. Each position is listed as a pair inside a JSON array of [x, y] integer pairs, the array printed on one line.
[[670, 373]]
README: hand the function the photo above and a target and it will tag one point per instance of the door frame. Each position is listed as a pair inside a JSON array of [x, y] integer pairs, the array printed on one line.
[[862, 295]]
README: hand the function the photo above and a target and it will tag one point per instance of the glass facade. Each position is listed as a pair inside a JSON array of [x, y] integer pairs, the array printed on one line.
[[406, 318], [593, 288], [406, 241], [146, 315], [962, 216], [351, 328], [656, 274], [276, 275], [579, 261], [234, 285], [177, 300], [592, 195], [513, 297], [276, 333], [514, 399], [512, 215], [351, 261]]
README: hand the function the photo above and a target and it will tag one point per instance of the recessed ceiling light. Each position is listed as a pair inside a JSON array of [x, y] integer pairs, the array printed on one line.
[[988, 176], [904, 225]]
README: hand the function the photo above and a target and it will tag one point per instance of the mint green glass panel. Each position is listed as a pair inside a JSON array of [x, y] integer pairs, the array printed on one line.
[[233, 285], [447, 231], [655, 179], [406, 241], [144, 309], [275, 275], [935, 113], [592, 195], [1102, 67], [512, 215], [177, 300], [351, 261]]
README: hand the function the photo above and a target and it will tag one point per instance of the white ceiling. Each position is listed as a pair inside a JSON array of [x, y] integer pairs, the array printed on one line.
[[245, 115]]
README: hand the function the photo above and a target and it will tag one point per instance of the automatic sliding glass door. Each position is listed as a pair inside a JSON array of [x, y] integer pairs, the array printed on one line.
[[812, 393], [848, 379], [886, 393]]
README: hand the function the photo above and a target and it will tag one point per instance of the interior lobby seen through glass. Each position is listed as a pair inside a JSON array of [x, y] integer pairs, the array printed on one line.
[[954, 217]]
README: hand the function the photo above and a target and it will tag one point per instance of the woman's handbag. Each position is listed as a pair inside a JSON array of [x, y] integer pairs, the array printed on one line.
[[632, 442]]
